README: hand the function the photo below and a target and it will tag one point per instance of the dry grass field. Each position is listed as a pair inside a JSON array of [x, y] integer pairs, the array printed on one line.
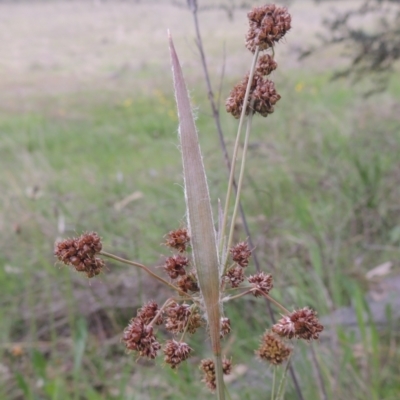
[[56, 47]]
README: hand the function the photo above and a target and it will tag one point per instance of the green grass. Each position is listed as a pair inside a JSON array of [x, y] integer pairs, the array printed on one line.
[[321, 194]]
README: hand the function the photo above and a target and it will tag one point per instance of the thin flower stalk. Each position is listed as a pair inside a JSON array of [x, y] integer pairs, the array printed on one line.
[[141, 266], [235, 152], [241, 175], [281, 389]]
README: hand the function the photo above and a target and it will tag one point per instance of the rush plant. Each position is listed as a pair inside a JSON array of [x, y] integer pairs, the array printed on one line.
[[206, 269]]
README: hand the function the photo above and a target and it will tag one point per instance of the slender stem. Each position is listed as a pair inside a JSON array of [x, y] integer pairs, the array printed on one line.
[[241, 175], [273, 384], [136, 264], [283, 381], [317, 369], [219, 377], [272, 300], [235, 150], [236, 296], [192, 308]]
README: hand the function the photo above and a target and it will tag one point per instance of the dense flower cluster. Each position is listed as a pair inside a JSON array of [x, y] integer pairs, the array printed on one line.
[[175, 266], [176, 352], [241, 254], [268, 24], [225, 326], [207, 366], [178, 239], [235, 276], [273, 349], [263, 96], [149, 312], [80, 252], [139, 337], [261, 282], [300, 324]]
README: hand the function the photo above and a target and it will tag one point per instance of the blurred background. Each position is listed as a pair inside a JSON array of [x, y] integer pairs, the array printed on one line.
[[88, 142]]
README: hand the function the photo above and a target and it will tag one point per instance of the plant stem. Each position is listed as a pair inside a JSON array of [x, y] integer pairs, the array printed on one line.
[[219, 377], [273, 385], [240, 182], [282, 382], [237, 296], [317, 369], [235, 150], [267, 296], [141, 266]]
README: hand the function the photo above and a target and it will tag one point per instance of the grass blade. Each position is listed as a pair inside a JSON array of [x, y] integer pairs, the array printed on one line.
[[199, 215]]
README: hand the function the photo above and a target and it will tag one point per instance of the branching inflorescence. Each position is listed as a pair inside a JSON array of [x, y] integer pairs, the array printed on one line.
[[189, 309]]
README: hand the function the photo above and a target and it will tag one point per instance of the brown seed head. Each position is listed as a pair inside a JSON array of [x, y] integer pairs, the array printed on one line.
[[176, 352], [300, 324], [178, 239], [268, 24], [148, 312], [263, 96], [273, 349], [140, 338], [235, 276], [208, 367], [227, 366], [80, 252], [175, 266], [225, 326], [261, 282], [188, 283], [234, 103], [265, 65], [241, 254], [177, 317], [195, 322]]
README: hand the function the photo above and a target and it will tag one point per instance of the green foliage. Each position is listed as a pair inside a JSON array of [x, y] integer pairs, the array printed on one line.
[[322, 191]]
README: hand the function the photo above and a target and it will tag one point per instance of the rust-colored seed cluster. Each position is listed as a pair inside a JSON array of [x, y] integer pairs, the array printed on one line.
[[300, 324], [148, 312], [176, 352], [207, 366], [263, 95], [235, 276], [175, 266], [178, 239], [261, 282], [188, 283], [180, 316], [225, 326], [268, 24], [138, 335], [140, 338], [273, 349], [241, 254], [80, 252]]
